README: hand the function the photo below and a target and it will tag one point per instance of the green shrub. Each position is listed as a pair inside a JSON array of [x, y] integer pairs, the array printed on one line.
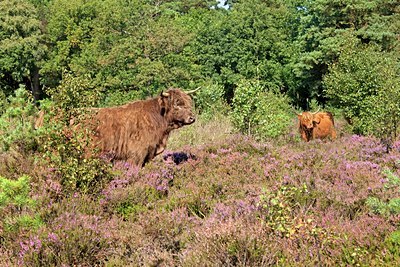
[[68, 151], [15, 193], [391, 206], [120, 97], [16, 204], [65, 136], [17, 222], [260, 112], [210, 101], [393, 244], [365, 83], [280, 208], [16, 126], [74, 92], [84, 175]]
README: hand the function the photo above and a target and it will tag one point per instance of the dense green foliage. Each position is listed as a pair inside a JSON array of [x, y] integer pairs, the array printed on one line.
[[138, 48], [16, 125], [243, 190], [17, 207], [65, 146], [15, 193], [325, 28], [260, 112], [210, 101], [365, 83], [21, 46]]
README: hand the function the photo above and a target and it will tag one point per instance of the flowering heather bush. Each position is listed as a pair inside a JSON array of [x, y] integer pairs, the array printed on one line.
[[230, 202], [75, 233], [71, 239]]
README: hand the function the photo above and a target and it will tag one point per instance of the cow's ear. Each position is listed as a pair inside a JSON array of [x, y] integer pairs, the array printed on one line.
[[163, 102], [316, 120], [162, 111]]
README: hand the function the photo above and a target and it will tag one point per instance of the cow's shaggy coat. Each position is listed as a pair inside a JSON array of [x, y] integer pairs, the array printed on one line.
[[319, 125], [138, 131]]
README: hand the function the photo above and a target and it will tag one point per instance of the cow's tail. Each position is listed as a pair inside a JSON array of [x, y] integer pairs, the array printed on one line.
[[330, 115]]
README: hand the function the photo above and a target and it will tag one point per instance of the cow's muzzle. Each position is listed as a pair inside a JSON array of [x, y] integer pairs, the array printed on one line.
[[190, 120]]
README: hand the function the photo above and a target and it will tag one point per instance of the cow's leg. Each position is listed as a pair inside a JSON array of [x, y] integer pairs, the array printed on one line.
[[333, 134], [310, 134], [145, 156], [304, 136], [138, 158], [160, 150], [160, 147], [133, 162]]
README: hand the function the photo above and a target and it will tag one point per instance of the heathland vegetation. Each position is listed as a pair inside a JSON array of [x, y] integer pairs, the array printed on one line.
[[238, 187]]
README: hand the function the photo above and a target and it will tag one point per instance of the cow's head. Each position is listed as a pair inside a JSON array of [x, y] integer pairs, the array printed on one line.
[[177, 107], [306, 120]]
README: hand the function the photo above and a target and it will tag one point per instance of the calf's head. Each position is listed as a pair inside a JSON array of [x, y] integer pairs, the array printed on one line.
[[309, 120]]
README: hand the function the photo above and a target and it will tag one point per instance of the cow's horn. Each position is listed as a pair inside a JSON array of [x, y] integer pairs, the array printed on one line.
[[295, 111], [315, 111], [192, 91], [165, 94]]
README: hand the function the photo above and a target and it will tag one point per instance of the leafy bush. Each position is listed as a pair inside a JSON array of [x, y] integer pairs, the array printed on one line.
[[15, 193], [67, 150], [365, 83], [391, 206], [393, 244], [74, 92], [260, 112], [210, 101], [3, 102], [282, 213], [279, 208], [16, 206], [16, 126], [65, 136], [120, 97]]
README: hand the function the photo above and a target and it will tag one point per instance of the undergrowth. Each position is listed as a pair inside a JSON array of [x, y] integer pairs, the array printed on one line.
[[214, 198]]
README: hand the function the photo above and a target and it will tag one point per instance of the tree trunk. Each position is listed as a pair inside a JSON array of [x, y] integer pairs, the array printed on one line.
[[35, 84]]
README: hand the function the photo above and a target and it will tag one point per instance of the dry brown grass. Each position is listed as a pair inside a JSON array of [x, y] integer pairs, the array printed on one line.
[[201, 132]]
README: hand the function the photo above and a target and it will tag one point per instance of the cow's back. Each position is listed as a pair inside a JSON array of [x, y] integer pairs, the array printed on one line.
[[325, 126], [131, 132]]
